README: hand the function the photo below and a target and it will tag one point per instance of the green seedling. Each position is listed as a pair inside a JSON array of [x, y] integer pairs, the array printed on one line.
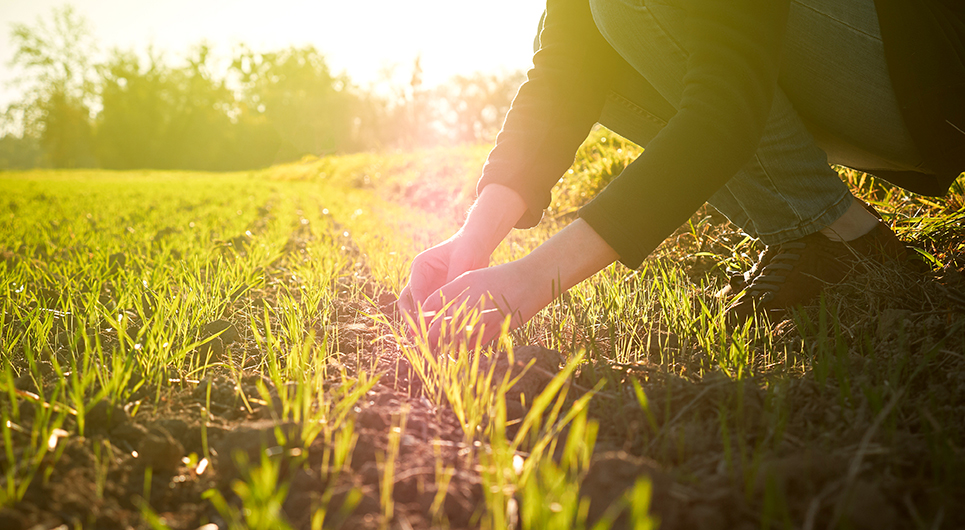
[[387, 463], [261, 490]]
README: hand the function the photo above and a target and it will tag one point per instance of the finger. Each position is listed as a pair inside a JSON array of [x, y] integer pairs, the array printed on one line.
[[490, 332], [425, 279], [453, 330], [410, 312], [411, 308], [459, 263], [406, 302], [453, 298], [494, 325], [485, 329], [432, 304], [418, 284], [432, 336], [441, 298], [444, 329]]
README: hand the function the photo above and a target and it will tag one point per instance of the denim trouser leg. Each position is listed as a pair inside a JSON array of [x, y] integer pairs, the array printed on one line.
[[835, 77]]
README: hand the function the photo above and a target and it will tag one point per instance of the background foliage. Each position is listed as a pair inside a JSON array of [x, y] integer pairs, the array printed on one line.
[[133, 110]]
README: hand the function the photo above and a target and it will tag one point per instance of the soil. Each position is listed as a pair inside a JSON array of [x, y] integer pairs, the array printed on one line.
[[715, 456]]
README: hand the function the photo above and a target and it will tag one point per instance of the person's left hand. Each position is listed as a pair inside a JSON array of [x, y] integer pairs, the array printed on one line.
[[508, 289]]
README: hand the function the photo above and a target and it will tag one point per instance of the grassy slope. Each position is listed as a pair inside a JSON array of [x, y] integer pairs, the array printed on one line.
[[850, 416]]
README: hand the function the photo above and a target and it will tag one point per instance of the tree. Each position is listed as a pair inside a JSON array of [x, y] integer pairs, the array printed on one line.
[[312, 110], [176, 118], [136, 106], [17, 152], [200, 122], [58, 83]]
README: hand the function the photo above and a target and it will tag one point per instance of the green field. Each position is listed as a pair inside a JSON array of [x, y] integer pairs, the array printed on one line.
[[184, 349]]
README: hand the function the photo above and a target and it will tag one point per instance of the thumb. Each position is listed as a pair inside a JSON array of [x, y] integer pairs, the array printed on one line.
[[421, 283]]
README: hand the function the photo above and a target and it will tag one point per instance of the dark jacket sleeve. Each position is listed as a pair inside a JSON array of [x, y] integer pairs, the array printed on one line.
[[732, 69], [554, 109]]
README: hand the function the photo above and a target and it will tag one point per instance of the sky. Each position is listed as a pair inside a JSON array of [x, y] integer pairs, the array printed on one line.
[[358, 37]]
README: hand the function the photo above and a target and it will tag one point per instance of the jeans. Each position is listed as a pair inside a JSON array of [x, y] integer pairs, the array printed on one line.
[[835, 103]]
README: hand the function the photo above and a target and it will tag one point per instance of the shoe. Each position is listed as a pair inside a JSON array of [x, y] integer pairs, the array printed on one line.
[[794, 273], [739, 281]]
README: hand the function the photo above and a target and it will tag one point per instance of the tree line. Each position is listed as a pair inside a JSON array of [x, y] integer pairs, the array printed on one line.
[[139, 111]]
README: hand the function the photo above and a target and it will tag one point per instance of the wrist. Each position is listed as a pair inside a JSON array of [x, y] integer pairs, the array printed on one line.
[[566, 259], [497, 209]]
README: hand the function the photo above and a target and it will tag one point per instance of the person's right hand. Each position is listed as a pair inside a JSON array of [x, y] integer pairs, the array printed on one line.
[[439, 265]]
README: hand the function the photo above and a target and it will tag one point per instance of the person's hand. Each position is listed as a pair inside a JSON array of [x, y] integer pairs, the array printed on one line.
[[496, 292], [492, 216], [518, 289], [438, 266]]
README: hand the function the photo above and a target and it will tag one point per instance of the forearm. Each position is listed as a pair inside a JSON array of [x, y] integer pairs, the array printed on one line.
[[492, 216], [566, 259]]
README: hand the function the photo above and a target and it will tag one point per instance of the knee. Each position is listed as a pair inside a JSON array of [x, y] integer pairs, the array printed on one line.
[[602, 11], [613, 18]]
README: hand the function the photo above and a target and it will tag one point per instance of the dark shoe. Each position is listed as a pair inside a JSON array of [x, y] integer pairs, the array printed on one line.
[[794, 273], [739, 281]]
